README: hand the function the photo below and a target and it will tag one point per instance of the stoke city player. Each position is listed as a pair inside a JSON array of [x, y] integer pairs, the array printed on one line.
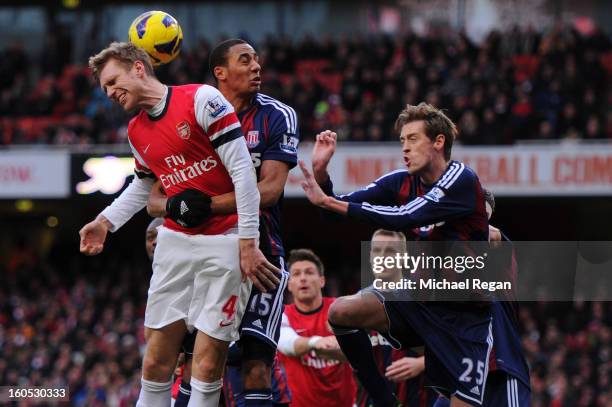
[[508, 383], [151, 236], [189, 138], [271, 131], [317, 373], [403, 367], [444, 199]]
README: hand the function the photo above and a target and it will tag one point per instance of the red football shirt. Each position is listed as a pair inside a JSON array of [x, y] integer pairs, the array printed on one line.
[[180, 150], [314, 381]]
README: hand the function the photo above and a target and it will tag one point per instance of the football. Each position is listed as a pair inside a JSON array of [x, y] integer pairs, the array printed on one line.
[[159, 34]]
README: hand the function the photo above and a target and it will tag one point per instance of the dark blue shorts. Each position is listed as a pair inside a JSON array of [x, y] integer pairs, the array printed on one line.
[[505, 390], [502, 390], [233, 387], [457, 338], [262, 317]]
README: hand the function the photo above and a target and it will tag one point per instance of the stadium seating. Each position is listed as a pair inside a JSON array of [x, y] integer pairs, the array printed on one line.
[[514, 85]]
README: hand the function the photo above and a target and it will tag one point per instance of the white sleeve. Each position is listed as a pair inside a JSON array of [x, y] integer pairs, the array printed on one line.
[[287, 338], [217, 117], [130, 202]]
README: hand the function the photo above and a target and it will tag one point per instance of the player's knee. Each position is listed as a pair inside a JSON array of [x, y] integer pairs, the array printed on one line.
[[257, 359], [257, 375], [156, 367], [207, 370], [341, 312]]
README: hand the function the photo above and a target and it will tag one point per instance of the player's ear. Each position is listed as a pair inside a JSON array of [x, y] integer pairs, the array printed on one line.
[[139, 68], [322, 281], [439, 142], [220, 73]]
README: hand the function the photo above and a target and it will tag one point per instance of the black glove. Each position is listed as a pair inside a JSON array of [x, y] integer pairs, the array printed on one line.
[[188, 208]]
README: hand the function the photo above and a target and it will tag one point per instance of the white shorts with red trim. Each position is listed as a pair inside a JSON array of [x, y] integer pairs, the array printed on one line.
[[197, 278]]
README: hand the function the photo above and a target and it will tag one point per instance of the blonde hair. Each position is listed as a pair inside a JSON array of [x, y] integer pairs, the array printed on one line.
[[436, 122], [124, 52]]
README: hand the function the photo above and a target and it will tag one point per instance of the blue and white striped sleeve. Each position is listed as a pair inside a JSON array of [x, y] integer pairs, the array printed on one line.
[[454, 195], [379, 191], [283, 138]]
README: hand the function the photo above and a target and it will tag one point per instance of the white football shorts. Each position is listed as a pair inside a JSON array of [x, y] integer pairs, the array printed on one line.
[[197, 278]]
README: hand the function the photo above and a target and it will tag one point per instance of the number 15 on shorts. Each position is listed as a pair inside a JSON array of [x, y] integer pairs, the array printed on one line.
[[261, 303]]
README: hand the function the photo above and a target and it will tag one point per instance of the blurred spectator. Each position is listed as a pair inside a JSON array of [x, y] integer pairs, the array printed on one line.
[[79, 324], [79, 328], [502, 90]]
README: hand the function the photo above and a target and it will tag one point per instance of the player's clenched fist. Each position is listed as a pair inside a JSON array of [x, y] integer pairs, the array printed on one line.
[[93, 236], [254, 265], [188, 208]]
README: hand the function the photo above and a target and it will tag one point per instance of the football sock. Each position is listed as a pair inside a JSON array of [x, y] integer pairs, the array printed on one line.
[[257, 398], [442, 402], [182, 399], [356, 346], [205, 394], [154, 394]]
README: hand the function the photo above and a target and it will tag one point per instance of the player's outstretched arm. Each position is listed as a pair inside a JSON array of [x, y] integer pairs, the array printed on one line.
[[223, 129], [236, 158], [449, 198], [322, 153], [93, 236], [292, 344], [131, 200], [254, 265], [328, 348], [315, 194]]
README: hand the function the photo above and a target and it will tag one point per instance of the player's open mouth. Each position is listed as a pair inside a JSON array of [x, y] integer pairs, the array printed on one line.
[[407, 161], [122, 99]]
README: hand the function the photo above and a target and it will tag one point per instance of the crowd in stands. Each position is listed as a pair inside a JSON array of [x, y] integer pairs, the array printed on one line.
[[519, 84], [78, 323]]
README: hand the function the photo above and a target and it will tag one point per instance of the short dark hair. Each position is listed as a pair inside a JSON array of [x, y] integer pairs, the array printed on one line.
[[389, 233], [436, 122], [218, 56], [305, 255]]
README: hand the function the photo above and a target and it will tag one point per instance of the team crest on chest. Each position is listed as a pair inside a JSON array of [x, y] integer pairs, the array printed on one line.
[[183, 130], [252, 138]]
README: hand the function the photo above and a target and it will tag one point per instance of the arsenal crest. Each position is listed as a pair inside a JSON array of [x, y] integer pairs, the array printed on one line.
[[252, 138], [183, 130]]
